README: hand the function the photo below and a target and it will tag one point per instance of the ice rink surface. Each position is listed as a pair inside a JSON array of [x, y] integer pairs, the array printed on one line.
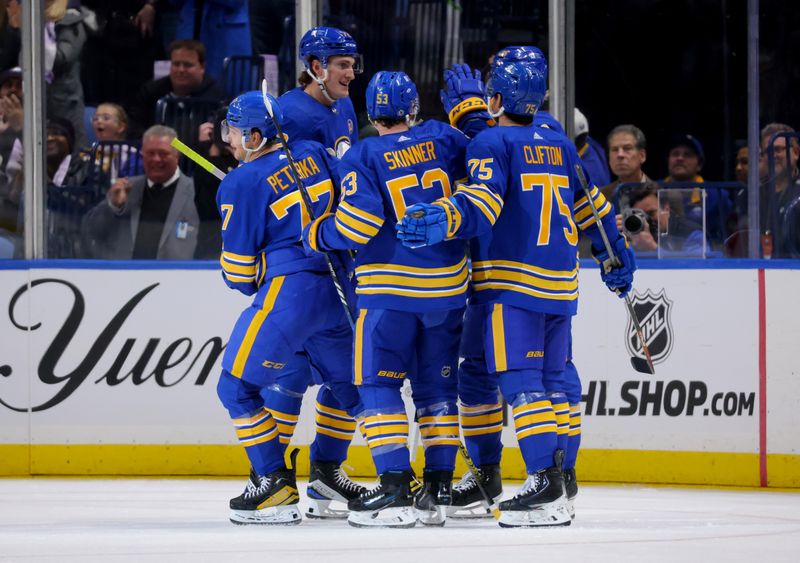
[[143, 520]]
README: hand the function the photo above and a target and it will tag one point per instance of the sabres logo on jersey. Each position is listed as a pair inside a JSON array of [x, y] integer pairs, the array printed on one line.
[[342, 145]]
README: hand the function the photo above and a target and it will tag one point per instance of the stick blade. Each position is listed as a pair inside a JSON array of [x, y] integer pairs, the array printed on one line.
[[643, 366]]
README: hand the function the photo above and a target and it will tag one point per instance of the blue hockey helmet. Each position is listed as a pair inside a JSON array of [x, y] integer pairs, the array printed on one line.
[[521, 53], [522, 86], [325, 42], [247, 112], [392, 95]]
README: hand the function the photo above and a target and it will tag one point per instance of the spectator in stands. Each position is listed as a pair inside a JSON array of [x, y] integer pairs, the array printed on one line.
[[685, 159], [187, 78], [10, 111], [109, 162], [664, 228], [223, 26], [147, 217], [590, 151], [119, 58], [685, 162], [110, 122], [742, 162], [64, 36], [627, 152], [10, 147], [780, 193], [63, 169]]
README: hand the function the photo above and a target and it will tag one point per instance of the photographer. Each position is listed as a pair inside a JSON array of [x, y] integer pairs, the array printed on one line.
[[650, 223]]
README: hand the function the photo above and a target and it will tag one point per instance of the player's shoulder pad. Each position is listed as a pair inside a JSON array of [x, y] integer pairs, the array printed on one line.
[[241, 180], [446, 135], [306, 147], [345, 104], [490, 135], [359, 152]]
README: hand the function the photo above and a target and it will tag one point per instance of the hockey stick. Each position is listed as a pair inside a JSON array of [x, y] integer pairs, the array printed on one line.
[[197, 159], [307, 202], [639, 364], [491, 507]]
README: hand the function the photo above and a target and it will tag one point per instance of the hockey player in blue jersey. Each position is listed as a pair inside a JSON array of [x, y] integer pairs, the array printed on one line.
[[411, 303], [524, 208], [320, 110], [262, 220], [481, 409]]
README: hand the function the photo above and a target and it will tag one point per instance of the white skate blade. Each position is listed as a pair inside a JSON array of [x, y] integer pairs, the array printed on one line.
[[434, 517], [402, 517], [474, 511], [321, 509], [273, 515], [551, 514]]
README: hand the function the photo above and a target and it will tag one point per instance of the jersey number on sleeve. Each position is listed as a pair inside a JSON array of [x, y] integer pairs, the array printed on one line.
[[550, 185], [281, 207], [428, 179], [227, 211], [479, 168]]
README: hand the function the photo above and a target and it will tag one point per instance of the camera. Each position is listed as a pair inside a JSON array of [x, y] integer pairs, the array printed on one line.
[[634, 220]]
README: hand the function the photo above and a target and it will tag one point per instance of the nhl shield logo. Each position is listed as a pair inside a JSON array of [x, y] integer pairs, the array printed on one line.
[[653, 311]]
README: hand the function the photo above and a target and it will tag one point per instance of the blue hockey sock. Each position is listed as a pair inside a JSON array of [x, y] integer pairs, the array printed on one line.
[[574, 440], [482, 426], [536, 429], [335, 429], [255, 427], [386, 427], [438, 426], [561, 409]]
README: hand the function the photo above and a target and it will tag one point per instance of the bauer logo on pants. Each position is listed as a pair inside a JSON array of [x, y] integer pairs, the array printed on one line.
[[653, 312]]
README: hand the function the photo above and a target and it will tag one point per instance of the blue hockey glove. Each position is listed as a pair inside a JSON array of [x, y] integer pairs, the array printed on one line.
[[620, 278], [423, 225], [311, 238], [464, 93]]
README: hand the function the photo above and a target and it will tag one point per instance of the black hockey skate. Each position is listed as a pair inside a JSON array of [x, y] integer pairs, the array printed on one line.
[[389, 505], [434, 497], [327, 482], [468, 502], [268, 499], [541, 501], [571, 486]]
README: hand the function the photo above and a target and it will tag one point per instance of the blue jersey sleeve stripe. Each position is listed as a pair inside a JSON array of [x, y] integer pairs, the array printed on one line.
[[477, 202], [365, 216], [411, 270], [366, 229], [485, 194], [238, 258], [352, 235], [589, 221], [526, 268], [526, 280]]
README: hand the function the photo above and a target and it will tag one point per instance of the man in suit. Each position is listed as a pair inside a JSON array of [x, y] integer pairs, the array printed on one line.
[[147, 217]]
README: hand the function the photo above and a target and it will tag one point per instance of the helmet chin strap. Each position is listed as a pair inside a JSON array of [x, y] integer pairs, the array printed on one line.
[[321, 83], [493, 114], [248, 153]]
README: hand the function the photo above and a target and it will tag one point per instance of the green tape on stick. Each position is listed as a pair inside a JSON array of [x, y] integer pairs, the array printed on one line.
[[197, 158]]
